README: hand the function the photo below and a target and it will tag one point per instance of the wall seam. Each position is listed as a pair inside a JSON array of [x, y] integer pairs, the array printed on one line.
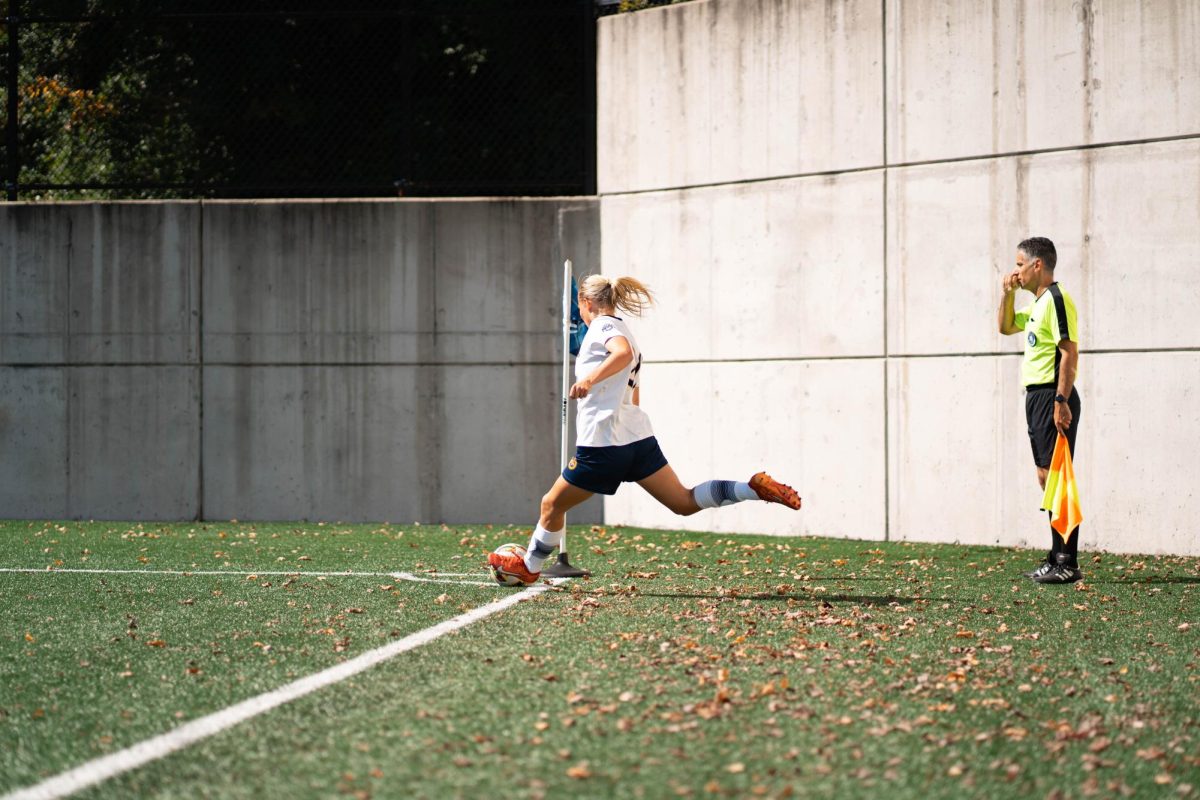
[[887, 460], [200, 364], [1075, 148], [517, 363], [66, 362]]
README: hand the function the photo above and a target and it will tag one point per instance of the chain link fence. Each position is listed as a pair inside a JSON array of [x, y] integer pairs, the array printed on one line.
[[262, 98]]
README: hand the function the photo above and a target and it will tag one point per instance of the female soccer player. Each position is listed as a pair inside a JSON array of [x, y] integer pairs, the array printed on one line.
[[614, 440]]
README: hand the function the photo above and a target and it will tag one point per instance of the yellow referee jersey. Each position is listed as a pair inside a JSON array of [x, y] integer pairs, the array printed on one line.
[[1050, 319]]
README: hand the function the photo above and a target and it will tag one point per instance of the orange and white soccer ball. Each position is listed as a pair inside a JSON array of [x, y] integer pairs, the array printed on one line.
[[503, 577]]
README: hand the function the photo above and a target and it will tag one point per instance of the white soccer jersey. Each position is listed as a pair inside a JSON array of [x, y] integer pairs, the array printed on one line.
[[607, 416]]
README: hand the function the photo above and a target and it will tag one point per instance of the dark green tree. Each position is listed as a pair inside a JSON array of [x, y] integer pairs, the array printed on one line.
[[271, 98]]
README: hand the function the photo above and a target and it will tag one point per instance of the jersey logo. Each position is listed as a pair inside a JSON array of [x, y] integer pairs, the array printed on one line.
[[1032, 339], [606, 328]]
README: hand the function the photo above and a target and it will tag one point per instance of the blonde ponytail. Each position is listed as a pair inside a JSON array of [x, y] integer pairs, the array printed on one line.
[[628, 294]]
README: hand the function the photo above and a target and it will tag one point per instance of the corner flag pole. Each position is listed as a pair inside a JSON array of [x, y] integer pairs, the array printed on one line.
[[562, 567], [566, 371]]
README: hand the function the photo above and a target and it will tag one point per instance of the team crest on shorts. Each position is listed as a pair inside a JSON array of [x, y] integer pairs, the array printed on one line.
[[1032, 339], [571, 464]]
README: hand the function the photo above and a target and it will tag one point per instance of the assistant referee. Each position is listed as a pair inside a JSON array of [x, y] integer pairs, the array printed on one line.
[[1051, 329]]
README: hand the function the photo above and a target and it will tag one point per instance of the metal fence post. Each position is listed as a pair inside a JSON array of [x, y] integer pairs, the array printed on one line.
[[14, 66]]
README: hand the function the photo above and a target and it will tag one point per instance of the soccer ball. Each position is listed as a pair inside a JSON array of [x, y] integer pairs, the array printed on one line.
[[507, 578]]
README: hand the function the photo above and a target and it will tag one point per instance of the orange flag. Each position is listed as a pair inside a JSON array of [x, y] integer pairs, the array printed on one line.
[[1062, 493]]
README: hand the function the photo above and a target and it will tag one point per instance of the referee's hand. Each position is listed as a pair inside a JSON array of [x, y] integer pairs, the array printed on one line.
[[1062, 417]]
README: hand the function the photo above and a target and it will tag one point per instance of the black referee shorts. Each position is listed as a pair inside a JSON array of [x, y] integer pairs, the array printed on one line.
[[1039, 415]]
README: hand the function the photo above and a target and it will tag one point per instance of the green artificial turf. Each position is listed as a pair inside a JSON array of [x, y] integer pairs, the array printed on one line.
[[689, 665]]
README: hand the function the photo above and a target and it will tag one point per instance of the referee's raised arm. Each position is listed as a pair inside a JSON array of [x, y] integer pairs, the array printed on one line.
[[1012, 282]]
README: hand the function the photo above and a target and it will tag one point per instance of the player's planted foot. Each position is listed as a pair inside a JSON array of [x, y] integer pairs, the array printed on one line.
[[514, 565], [1062, 571], [1040, 570], [772, 491]]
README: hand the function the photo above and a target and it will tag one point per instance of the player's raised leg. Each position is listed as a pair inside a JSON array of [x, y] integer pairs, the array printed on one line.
[[665, 487]]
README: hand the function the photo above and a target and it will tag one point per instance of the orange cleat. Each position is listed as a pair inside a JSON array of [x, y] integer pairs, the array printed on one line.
[[772, 491], [512, 565]]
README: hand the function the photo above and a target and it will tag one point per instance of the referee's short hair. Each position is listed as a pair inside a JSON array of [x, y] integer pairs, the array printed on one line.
[[1040, 247]]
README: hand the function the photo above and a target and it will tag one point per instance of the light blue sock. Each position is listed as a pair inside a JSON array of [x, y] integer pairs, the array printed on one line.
[[541, 545], [712, 494]]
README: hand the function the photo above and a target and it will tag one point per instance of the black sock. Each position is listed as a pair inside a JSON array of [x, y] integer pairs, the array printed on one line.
[[1056, 542], [1071, 547]]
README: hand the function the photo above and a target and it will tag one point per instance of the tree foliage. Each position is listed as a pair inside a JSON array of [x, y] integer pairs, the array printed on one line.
[[375, 98]]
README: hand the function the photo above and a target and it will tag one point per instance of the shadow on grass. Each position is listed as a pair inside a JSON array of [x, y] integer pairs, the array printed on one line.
[[859, 599], [1150, 579]]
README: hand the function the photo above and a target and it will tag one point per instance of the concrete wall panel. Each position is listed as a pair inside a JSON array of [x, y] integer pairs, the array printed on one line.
[[1142, 246], [952, 236], [90, 283], [496, 281], [361, 359], [33, 442], [329, 281], [1122, 218], [134, 283], [782, 269], [402, 282], [134, 443], [578, 235], [828, 444], [329, 443], [35, 250], [959, 460], [498, 445], [1139, 452], [994, 77], [962, 469], [365, 443], [723, 90]]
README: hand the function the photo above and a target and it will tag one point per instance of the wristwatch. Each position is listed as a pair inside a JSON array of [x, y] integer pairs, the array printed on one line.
[[1058, 398]]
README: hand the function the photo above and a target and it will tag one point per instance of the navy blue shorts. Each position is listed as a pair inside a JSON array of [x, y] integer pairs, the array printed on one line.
[[603, 469]]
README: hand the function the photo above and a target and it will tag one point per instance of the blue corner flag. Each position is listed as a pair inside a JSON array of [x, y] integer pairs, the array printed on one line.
[[578, 329]]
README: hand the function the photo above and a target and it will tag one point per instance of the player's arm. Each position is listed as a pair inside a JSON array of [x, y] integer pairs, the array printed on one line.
[[1005, 316], [620, 354], [1067, 366]]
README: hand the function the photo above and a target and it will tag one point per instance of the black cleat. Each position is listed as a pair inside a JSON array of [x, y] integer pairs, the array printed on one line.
[[1062, 571], [1040, 570]]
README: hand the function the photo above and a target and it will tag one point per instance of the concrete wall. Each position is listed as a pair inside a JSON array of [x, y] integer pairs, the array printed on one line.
[[826, 196], [340, 360]]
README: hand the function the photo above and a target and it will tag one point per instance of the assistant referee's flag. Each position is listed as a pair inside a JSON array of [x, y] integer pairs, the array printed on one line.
[[578, 326], [1062, 493]]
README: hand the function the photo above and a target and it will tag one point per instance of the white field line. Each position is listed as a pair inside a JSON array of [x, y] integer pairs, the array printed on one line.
[[433, 577], [101, 769]]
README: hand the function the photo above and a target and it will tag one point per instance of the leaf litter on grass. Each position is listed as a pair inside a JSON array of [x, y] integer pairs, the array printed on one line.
[[820, 667]]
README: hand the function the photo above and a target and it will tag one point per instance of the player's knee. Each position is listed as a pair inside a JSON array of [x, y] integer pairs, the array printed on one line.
[[684, 505], [547, 507]]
